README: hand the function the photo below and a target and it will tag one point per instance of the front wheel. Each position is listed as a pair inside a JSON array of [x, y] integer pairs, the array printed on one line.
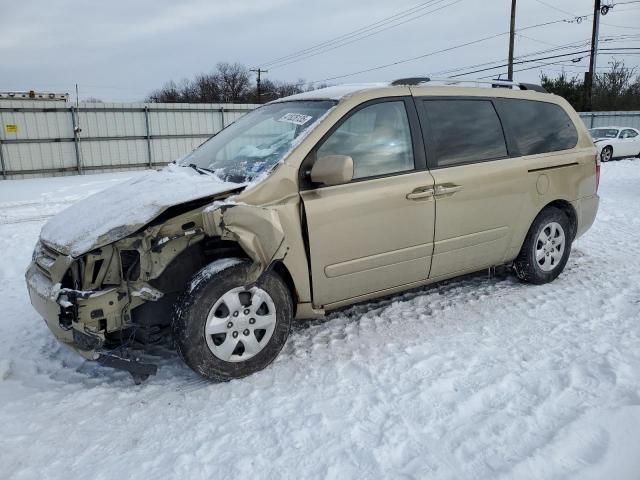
[[225, 329], [606, 154], [546, 247]]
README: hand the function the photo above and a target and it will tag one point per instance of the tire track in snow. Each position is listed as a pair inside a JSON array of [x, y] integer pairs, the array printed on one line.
[[36, 218]]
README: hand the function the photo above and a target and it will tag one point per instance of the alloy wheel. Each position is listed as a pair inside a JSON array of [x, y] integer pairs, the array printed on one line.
[[550, 246]]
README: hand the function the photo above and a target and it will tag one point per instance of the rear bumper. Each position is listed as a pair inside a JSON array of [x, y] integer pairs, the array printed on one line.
[[586, 210]]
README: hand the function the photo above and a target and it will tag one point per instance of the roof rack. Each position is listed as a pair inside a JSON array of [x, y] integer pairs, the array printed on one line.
[[456, 81]]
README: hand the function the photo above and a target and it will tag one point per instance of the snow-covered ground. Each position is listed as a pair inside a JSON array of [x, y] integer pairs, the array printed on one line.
[[472, 378]]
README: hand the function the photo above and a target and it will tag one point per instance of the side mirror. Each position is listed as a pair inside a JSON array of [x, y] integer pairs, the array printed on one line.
[[332, 170]]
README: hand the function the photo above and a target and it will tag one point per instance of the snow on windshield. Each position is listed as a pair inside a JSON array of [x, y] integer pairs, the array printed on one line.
[[251, 146]]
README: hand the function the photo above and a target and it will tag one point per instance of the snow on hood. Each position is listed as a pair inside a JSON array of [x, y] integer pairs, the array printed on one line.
[[121, 210]]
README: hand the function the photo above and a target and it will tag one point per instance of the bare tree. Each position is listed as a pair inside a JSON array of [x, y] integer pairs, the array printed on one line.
[[208, 90], [228, 83], [167, 94], [233, 80]]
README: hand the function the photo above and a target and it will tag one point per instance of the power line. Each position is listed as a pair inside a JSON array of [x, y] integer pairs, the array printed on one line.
[[573, 45], [360, 34], [545, 58], [536, 40], [354, 32], [539, 52], [538, 65], [574, 19], [520, 62], [619, 26], [555, 8], [455, 47], [362, 37]]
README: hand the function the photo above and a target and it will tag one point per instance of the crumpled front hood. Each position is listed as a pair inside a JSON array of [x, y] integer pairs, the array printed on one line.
[[121, 210]]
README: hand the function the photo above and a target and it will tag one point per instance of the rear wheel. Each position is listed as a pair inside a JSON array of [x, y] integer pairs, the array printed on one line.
[[606, 154], [546, 247], [225, 329]]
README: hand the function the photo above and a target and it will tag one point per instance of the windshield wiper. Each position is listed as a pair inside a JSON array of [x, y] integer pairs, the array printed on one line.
[[200, 170]]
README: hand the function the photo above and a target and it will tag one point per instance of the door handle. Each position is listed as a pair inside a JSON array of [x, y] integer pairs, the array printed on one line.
[[421, 193], [447, 190]]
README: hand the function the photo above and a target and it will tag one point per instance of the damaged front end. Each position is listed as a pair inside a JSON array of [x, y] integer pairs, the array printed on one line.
[[257, 230], [106, 302]]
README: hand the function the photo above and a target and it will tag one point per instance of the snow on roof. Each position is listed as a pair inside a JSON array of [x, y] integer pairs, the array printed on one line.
[[335, 92]]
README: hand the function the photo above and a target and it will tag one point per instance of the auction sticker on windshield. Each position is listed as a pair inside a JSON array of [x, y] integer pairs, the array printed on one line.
[[295, 118]]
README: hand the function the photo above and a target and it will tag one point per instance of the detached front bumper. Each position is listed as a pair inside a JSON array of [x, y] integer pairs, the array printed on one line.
[[43, 298], [73, 317]]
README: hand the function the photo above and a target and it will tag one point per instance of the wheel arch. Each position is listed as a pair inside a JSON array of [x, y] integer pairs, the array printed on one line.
[[281, 269], [561, 204], [568, 210]]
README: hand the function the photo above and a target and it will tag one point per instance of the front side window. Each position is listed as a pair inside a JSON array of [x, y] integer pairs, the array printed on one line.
[[538, 127], [377, 138], [257, 141], [464, 131], [628, 134]]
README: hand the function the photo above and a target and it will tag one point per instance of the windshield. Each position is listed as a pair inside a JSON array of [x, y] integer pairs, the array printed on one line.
[[257, 141], [603, 133]]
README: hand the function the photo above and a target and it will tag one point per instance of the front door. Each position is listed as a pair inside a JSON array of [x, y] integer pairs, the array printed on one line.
[[375, 232], [628, 144]]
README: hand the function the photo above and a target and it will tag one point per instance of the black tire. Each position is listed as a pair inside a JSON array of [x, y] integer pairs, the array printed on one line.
[[526, 266], [192, 310], [609, 154]]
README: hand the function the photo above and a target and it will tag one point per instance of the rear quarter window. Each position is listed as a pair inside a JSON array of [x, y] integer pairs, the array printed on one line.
[[538, 127]]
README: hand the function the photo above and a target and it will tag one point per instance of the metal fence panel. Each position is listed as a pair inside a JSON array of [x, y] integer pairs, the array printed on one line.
[[37, 137], [611, 119], [42, 158], [97, 154], [166, 150]]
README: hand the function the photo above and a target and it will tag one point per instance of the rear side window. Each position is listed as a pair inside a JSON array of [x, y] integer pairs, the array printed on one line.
[[464, 131], [628, 134], [538, 127]]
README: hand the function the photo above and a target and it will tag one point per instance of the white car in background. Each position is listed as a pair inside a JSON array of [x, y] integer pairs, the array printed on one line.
[[616, 142]]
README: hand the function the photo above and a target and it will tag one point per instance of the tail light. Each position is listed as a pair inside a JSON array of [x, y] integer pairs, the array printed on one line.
[[597, 162]]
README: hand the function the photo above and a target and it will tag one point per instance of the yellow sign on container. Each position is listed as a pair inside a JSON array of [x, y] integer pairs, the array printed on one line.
[[11, 128]]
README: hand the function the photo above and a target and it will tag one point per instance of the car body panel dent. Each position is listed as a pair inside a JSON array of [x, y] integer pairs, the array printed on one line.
[[256, 229]]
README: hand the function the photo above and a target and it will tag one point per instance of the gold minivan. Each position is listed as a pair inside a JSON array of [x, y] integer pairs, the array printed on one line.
[[311, 203]]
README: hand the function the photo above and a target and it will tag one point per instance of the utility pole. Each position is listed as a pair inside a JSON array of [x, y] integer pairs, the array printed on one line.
[[588, 81], [258, 72], [512, 34]]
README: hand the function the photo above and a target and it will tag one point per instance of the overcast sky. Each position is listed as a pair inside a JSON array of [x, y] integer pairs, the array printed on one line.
[[121, 50]]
